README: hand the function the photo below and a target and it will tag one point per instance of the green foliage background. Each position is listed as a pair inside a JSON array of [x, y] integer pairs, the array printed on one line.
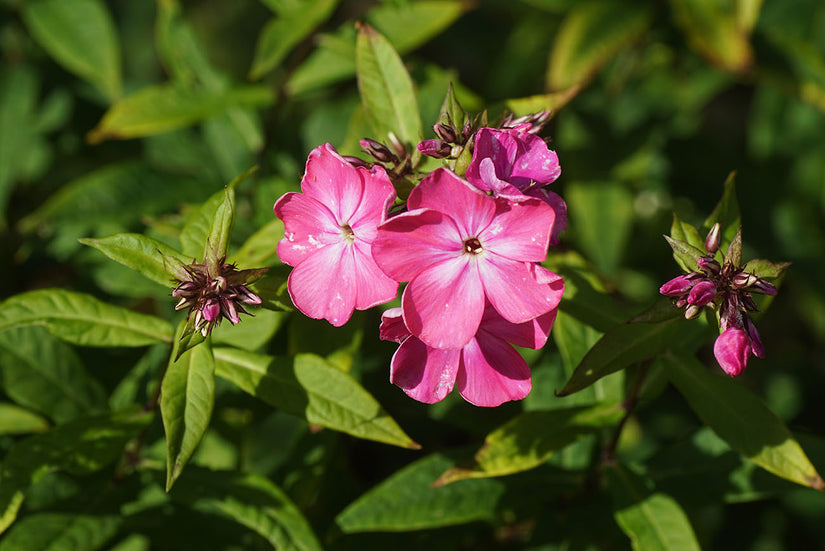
[[128, 116]]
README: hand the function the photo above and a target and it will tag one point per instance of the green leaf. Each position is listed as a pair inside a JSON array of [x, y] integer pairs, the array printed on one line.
[[283, 33], [53, 531], [81, 319], [726, 212], [592, 34], [308, 387], [685, 232], [142, 254], [743, 421], [747, 13], [542, 102], [187, 397], [253, 334], [81, 36], [80, 447], [44, 374], [714, 33], [161, 108], [652, 520], [261, 249], [582, 300], [685, 254], [16, 420], [767, 269], [451, 112], [624, 345], [250, 500], [608, 209], [532, 438], [386, 88]]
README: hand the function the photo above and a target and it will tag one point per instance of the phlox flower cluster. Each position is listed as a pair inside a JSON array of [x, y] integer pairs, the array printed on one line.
[[468, 248]]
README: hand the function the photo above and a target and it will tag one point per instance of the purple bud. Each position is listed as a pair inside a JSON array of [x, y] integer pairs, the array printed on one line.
[[377, 151], [212, 309], [713, 239], [747, 302], [678, 285], [708, 265], [445, 133], [742, 280], [692, 311], [702, 293], [246, 296], [356, 162], [227, 305], [753, 335], [435, 148], [467, 130], [732, 349], [763, 287], [184, 288], [397, 146]]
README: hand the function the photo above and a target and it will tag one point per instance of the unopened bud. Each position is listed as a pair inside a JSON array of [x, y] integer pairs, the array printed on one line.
[[692, 311], [445, 132], [397, 146], [763, 287], [742, 280], [467, 130], [713, 239], [756, 343], [702, 293], [435, 148], [356, 161], [678, 285], [377, 151], [747, 302], [708, 265]]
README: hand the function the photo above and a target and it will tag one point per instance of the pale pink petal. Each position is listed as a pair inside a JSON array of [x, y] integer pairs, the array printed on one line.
[[514, 291], [373, 286], [543, 275], [423, 373], [392, 326], [308, 226], [519, 231], [470, 209], [530, 334], [333, 182], [378, 195], [732, 349], [444, 303], [492, 372], [323, 286], [413, 241]]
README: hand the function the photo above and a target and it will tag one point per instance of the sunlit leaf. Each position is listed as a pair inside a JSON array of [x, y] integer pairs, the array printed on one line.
[[261, 247], [652, 520], [187, 397], [742, 420], [17, 420], [71, 531], [141, 253], [684, 232], [549, 102], [714, 32], [590, 35], [81, 36], [81, 319], [310, 388]]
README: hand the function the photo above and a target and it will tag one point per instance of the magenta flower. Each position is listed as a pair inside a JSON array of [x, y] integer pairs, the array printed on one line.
[[458, 247], [329, 231], [487, 370], [514, 162], [732, 350]]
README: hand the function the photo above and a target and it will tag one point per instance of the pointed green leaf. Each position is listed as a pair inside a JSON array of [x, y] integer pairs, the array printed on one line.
[[652, 520], [81, 36], [726, 211], [532, 438], [16, 420], [451, 112], [142, 254], [542, 102], [685, 254], [261, 249], [742, 420], [284, 32], [685, 232], [713, 32], [80, 447], [386, 88], [187, 397], [161, 108], [734, 254], [767, 269], [583, 300], [624, 345], [250, 500], [81, 319], [310, 388], [590, 36], [53, 531], [44, 374]]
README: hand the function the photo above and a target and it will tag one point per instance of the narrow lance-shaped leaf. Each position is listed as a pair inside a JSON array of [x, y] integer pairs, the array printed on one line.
[[261, 247], [17, 420], [652, 520], [742, 420], [386, 88], [69, 531], [686, 255], [543, 102], [734, 254], [308, 387], [81, 36], [187, 396], [82, 319], [532, 438], [143, 254]]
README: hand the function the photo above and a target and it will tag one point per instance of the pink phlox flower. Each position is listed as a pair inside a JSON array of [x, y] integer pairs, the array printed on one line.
[[458, 247], [514, 163], [488, 371], [732, 349], [328, 236]]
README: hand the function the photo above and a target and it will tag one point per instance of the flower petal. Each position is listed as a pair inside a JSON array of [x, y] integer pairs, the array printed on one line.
[[559, 208], [373, 286], [530, 334], [519, 231], [333, 182], [392, 326], [308, 226], [444, 303], [534, 164], [732, 349], [323, 286], [423, 373], [492, 372], [513, 290], [470, 209]]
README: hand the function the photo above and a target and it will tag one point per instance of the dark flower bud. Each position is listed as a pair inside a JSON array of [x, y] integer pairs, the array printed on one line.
[[763, 287], [356, 162], [743, 280], [708, 265], [445, 133], [678, 285], [756, 343], [377, 151], [713, 239], [397, 146], [467, 131], [435, 148], [747, 302], [702, 293]]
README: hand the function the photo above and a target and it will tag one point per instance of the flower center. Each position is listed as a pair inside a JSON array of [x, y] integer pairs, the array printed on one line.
[[473, 246], [347, 232]]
